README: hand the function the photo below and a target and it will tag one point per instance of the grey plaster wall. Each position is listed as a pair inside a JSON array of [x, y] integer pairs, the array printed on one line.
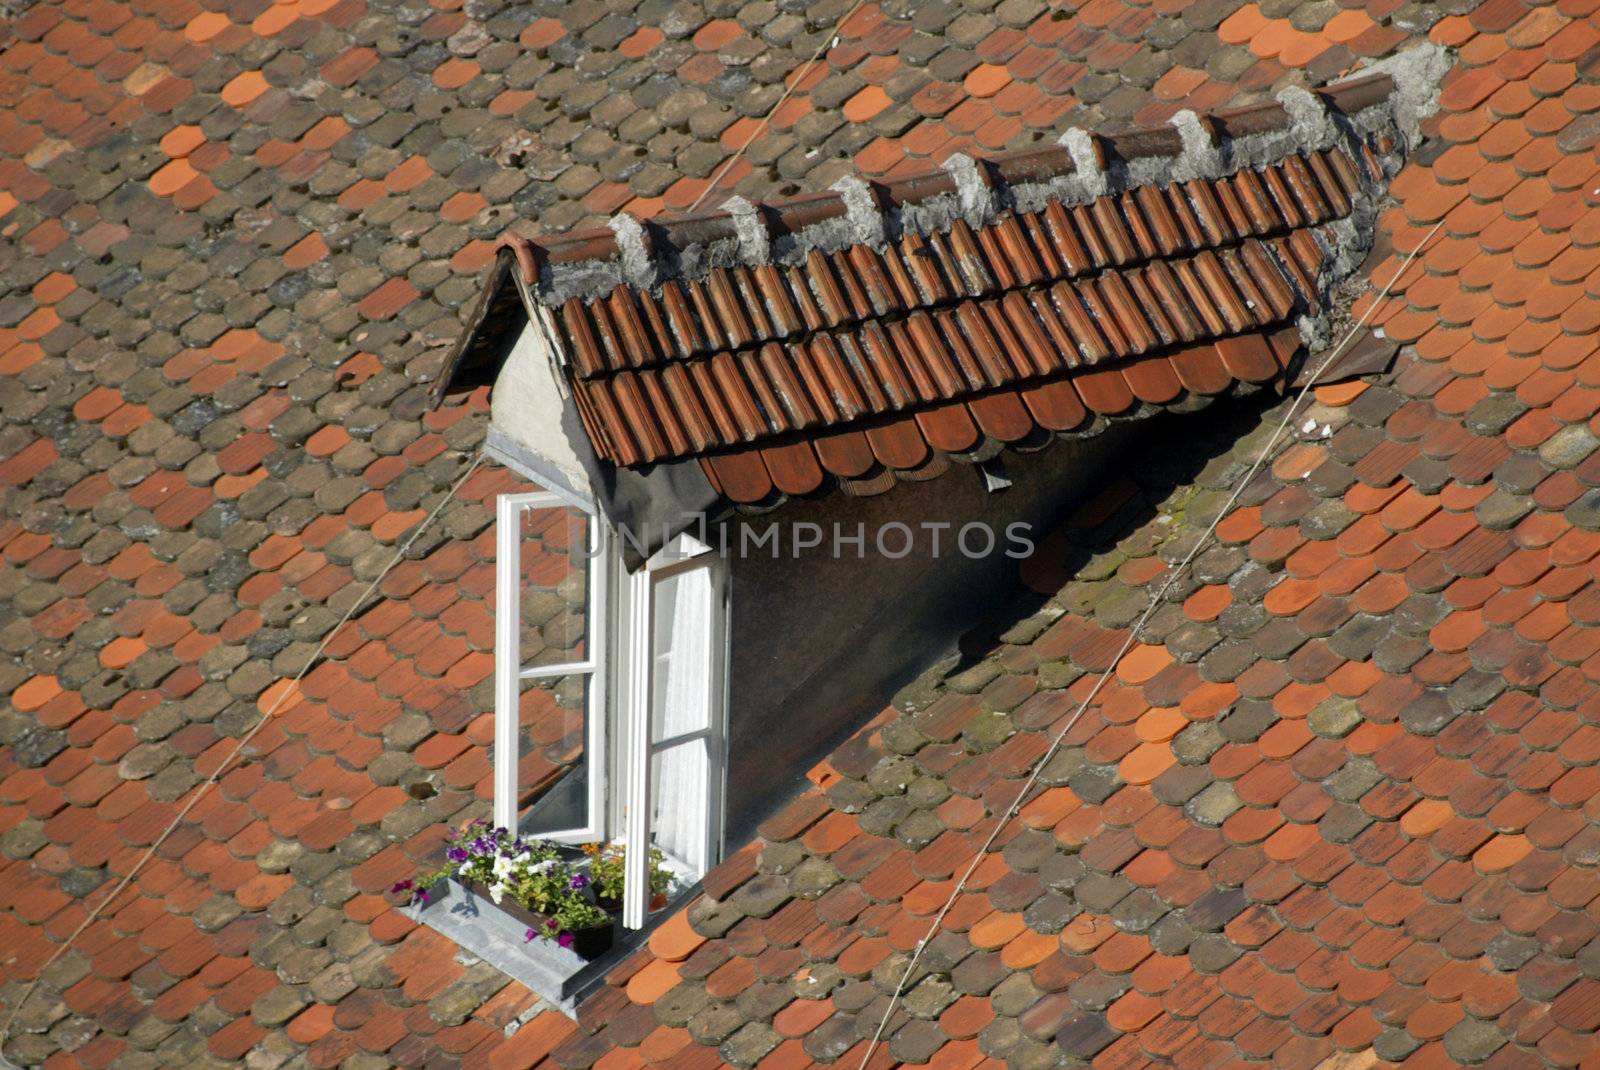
[[821, 643]]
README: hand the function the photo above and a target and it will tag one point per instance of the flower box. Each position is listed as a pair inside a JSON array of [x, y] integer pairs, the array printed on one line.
[[559, 975], [527, 880], [561, 963], [587, 943]]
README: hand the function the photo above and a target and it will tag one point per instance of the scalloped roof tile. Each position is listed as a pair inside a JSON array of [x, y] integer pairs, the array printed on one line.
[[1376, 845]]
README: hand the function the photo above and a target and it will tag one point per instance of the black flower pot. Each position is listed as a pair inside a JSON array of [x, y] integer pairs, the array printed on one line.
[[594, 941]]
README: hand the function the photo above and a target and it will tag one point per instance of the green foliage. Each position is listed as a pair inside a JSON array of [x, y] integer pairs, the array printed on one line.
[[530, 872], [606, 868]]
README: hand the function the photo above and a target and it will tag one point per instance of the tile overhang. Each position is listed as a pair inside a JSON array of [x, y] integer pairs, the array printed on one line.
[[852, 337]]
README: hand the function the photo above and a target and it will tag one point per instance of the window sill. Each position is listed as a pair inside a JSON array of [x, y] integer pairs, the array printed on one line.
[[555, 974]]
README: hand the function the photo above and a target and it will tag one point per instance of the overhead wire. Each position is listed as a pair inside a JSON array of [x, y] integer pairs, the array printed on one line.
[[790, 85], [1156, 601], [227, 762]]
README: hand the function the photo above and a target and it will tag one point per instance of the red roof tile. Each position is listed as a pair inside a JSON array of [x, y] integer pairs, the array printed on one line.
[[1389, 890]]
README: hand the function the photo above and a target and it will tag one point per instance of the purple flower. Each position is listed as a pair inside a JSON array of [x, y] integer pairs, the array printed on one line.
[[566, 940], [400, 886], [457, 854], [530, 934], [580, 881], [551, 924], [422, 897]]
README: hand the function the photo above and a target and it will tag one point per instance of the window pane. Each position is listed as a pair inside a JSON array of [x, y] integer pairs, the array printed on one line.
[[554, 585], [562, 808], [551, 720], [680, 779], [681, 695]]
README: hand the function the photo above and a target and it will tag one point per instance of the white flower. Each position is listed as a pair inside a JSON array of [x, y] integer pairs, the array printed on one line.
[[496, 892]]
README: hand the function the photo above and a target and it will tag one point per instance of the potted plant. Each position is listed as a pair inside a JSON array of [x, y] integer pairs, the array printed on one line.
[[528, 879], [577, 923], [606, 871]]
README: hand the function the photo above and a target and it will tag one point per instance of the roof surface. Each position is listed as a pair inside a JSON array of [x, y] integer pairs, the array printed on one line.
[[1340, 801]]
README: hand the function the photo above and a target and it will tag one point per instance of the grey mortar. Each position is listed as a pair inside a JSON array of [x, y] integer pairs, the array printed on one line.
[[1201, 156], [861, 209], [973, 191], [638, 265], [1417, 73], [755, 241]]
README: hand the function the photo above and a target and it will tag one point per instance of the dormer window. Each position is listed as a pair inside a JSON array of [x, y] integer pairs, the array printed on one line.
[[921, 339]]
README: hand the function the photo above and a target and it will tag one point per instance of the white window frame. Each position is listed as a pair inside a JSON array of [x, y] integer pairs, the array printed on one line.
[[510, 672], [636, 665], [619, 660]]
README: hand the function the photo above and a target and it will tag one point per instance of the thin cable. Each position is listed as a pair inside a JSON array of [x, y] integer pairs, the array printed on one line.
[[244, 741], [1133, 635], [788, 90]]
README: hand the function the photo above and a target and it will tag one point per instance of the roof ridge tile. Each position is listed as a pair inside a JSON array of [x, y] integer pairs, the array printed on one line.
[[1189, 146]]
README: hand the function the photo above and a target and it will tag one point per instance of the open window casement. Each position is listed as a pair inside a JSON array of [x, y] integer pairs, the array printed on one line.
[[672, 721], [609, 689], [553, 564]]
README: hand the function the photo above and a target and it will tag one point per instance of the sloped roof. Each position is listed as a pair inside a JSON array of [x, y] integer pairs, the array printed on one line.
[[1333, 808], [236, 236], [843, 336]]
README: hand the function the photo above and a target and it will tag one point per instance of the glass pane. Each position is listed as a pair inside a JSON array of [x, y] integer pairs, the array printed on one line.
[[680, 686], [551, 722], [680, 779], [562, 808], [554, 585]]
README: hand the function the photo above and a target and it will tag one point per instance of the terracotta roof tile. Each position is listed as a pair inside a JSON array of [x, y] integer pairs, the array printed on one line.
[[196, 390], [654, 378]]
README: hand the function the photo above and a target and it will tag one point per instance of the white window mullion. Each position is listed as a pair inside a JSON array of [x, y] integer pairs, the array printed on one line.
[[597, 621], [688, 737], [507, 658], [636, 858], [717, 741]]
